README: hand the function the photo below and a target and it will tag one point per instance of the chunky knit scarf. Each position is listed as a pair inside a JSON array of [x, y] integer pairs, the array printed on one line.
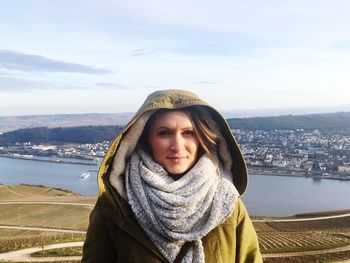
[[173, 212]]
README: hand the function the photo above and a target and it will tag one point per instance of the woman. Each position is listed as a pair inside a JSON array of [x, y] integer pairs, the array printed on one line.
[[169, 189]]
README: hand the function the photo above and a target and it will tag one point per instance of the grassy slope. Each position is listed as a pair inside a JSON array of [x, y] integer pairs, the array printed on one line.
[[43, 215], [49, 216], [41, 193]]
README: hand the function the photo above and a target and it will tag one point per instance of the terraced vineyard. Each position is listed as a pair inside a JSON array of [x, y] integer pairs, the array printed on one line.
[[322, 258], [11, 239], [279, 242], [299, 241], [285, 240]]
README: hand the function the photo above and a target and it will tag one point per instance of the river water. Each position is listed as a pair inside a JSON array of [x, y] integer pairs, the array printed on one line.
[[266, 195]]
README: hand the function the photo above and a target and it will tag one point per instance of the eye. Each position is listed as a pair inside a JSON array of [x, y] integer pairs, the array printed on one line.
[[189, 133], [164, 133]]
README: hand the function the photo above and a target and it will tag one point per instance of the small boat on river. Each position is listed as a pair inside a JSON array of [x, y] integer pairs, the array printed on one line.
[[84, 175]]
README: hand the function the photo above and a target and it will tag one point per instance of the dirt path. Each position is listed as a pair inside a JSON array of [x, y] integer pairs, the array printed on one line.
[[11, 191], [25, 254], [300, 219], [44, 203], [306, 253], [44, 229]]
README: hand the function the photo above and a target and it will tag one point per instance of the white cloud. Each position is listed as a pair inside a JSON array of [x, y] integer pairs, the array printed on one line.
[[15, 85], [112, 86], [13, 60]]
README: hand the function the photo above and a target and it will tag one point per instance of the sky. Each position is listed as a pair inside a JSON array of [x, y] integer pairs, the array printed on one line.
[[106, 56]]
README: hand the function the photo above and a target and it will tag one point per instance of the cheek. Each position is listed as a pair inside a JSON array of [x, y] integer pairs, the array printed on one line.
[[194, 145], [157, 145]]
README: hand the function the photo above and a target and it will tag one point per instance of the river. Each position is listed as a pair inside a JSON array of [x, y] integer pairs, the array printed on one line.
[[266, 195]]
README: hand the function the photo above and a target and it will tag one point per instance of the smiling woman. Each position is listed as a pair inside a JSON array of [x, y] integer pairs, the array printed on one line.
[[170, 188]]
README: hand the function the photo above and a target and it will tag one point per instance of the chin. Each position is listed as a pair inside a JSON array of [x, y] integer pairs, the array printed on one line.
[[177, 171]]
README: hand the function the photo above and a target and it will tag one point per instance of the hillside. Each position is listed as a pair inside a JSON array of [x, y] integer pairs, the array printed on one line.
[[330, 122], [84, 134], [11, 123], [334, 122]]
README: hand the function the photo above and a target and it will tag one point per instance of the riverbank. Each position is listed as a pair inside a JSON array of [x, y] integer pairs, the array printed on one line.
[[253, 171], [295, 195], [40, 159], [275, 172]]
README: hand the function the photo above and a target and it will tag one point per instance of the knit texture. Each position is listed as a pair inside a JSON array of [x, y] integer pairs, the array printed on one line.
[[172, 212]]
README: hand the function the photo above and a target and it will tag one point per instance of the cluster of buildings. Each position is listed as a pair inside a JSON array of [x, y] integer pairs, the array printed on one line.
[[73, 153], [296, 152], [88, 150], [283, 152]]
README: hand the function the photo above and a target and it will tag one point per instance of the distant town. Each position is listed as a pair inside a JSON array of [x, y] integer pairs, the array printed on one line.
[[296, 153], [279, 152]]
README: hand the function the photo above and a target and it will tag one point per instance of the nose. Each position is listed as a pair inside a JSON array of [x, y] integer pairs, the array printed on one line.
[[177, 143]]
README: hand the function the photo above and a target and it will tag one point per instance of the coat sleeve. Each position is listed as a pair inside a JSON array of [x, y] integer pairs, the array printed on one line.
[[98, 245], [247, 246]]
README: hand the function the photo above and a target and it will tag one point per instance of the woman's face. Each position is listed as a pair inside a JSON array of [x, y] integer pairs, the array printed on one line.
[[173, 142]]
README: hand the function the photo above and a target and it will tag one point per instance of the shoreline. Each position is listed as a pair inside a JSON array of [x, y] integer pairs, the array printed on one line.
[[48, 161], [251, 171], [280, 173]]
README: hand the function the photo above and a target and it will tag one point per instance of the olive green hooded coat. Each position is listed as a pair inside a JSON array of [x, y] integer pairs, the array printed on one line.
[[114, 234]]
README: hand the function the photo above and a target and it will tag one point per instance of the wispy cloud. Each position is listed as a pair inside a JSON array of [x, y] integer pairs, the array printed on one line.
[[13, 84], [112, 86], [143, 52], [206, 82], [12, 60]]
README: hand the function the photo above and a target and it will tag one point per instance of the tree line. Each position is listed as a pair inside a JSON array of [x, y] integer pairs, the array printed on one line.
[[330, 122], [81, 134]]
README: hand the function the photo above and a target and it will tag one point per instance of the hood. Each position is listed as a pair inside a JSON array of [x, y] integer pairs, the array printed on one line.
[[111, 172]]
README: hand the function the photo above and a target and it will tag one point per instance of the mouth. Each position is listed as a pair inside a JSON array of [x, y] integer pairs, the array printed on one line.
[[176, 158]]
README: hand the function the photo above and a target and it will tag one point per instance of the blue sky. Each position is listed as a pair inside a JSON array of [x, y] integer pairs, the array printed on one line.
[[107, 56]]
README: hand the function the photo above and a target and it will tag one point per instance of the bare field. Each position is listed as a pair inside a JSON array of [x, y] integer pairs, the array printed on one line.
[[41, 193], [45, 215]]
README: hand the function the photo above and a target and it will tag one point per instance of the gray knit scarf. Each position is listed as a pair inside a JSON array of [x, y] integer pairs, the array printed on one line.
[[172, 212]]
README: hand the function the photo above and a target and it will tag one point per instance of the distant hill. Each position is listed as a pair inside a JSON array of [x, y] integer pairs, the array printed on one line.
[[11, 123], [85, 134], [334, 122], [339, 121]]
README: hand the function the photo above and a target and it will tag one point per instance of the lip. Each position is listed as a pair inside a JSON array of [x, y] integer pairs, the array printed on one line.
[[176, 158]]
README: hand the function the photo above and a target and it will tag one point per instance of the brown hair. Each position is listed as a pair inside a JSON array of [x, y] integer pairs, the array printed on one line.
[[200, 120]]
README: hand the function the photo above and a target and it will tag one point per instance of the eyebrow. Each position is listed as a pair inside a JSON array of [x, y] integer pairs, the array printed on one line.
[[167, 128]]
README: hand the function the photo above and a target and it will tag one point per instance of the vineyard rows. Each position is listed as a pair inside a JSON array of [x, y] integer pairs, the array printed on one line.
[[14, 240], [291, 241]]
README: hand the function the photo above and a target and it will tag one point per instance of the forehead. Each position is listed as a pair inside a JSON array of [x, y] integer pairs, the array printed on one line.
[[172, 118]]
